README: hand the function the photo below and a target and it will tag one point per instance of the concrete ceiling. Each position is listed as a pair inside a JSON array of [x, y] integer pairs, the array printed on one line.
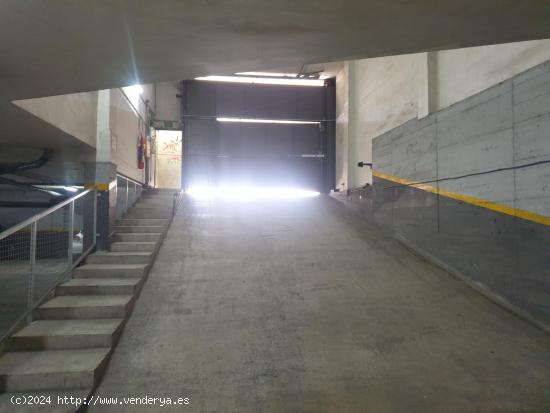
[[50, 47]]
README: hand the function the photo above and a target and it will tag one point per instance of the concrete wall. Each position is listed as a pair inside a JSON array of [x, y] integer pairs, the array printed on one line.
[[126, 126], [386, 92], [464, 72], [74, 114], [383, 93], [167, 104], [66, 164], [342, 129], [470, 185]]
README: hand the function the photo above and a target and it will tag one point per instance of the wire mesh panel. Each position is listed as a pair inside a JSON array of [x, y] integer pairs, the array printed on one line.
[[38, 253], [128, 192], [121, 197], [131, 194], [83, 225], [15, 270], [53, 242]]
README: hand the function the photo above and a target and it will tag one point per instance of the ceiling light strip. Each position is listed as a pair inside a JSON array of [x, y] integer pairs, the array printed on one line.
[[267, 74], [263, 80], [271, 121]]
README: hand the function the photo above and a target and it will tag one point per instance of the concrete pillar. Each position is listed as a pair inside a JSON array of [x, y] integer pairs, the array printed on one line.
[[352, 125], [104, 171], [342, 129], [427, 84]]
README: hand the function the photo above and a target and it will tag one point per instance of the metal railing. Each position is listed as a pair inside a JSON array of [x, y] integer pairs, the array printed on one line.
[[128, 192], [176, 202], [40, 252]]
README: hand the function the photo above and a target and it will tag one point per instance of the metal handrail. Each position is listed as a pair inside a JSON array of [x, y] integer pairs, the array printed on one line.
[[130, 179], [123, 194], [42, 214], [176, 201]]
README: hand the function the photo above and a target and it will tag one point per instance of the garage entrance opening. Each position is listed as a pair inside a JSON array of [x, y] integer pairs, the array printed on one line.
[[248, 139]]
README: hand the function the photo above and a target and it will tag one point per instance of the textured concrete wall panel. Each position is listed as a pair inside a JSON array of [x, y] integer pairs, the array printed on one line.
[[505, 126], [532, 140]]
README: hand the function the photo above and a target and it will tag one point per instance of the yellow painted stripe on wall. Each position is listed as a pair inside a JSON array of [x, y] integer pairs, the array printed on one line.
[[493, 206]]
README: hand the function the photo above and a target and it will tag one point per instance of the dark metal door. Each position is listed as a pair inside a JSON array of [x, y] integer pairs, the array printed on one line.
[[221, 153]]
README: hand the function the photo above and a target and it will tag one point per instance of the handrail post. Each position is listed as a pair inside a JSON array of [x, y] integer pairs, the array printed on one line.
[[70, 235], [94, 233], [127, 194], [32, 258]]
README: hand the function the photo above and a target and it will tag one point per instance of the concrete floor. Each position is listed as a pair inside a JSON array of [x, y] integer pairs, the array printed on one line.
[[301, 306]]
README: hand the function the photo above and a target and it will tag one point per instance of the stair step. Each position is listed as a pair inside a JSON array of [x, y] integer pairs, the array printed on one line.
[[137, 236], [133, 246], [111, 270], [66, 334], [166, 195], [156, 201], [161, 222], [139, 229], [120, 258], [99, 286], [166, 200], [6, 405], [70, 307], [56, 369], [147, 214], [165, 207], [144, 206]]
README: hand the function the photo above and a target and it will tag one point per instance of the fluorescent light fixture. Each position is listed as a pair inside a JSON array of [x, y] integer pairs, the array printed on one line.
[[248, 193], [275, 74], [70, 189], [277, 121], [263, 80], [267, 74]]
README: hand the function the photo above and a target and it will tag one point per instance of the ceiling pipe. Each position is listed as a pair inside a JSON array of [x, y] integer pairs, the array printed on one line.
[[14, 168], [25, 166]]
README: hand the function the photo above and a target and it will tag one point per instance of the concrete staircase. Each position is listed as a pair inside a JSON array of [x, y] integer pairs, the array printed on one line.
[[65, 350]]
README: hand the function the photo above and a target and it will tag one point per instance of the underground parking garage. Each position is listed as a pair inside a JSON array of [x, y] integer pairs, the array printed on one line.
[[275, 207]]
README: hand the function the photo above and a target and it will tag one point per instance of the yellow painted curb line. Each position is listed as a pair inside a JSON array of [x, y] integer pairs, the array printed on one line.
[[493, 206]]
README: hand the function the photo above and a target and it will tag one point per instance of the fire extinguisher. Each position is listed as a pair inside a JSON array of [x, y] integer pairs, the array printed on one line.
[[146, 148], [141, 153]]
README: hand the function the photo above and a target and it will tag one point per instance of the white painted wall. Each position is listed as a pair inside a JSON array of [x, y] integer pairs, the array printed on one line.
[[125, 127], [464, 72], [384, 93], [167, 104], [74, 114], [77, 115], [342, 130]]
